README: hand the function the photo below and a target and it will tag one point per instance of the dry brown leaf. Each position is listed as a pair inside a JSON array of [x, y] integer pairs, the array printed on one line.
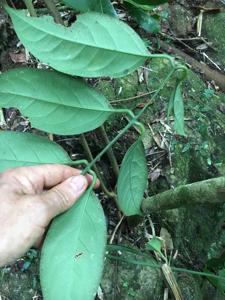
[[18, 57], [166, 236]]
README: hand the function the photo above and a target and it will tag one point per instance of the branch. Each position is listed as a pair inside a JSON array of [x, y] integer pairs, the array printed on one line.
[[110, 153], [201, 67], [52, 8], [30, 8], [211, 191], [88, 153]]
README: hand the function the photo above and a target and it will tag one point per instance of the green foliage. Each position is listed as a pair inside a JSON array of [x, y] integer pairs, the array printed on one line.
[[132, 180], [96, 45], [73, 252], [19, 149], [63, 106], [144, 19], [176, 105], [155, 244], [150, 2], [102, 6]]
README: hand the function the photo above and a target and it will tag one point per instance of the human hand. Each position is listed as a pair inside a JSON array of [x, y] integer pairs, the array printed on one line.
[[29, 198]]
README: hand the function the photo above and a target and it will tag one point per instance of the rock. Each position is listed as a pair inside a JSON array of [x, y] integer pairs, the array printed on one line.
[[127, 281], [181, 20], [189, 286], [213, 29]]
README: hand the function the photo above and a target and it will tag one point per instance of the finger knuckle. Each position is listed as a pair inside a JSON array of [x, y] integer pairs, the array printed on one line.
[[62, 198]]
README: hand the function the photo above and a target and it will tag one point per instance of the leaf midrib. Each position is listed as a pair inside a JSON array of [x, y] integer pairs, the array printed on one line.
[[71, 41], [69, 106]]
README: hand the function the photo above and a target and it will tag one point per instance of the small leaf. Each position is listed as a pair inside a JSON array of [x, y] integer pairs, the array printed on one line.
[[176, 106], [19, 149], [96, 45], [73, 252], [150, 2], [170, 108], [155, 244], [179, 112], [102, 6], [54, 102], [139, 5], [147, 22], [132, 180]]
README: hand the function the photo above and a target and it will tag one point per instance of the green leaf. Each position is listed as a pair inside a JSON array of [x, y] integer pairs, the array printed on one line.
[[147, 22], [96, 45], [102, 6], [150, 2], [176, 106], [154, 244], [141, 6], [73, 252], [132, 180], [19, 149], [178, 111], [54, 102]]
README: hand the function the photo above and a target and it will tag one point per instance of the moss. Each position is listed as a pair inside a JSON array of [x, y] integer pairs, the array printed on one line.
[[189, 286], [126, 281], [213, 29]]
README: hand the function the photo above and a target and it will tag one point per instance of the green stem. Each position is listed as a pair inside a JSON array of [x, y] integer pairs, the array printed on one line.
[[162, 85], [30, 8], [110, 152], [124, 111], [130, 124], [95, 168], [121, 133], [141, 127], [52, 8]]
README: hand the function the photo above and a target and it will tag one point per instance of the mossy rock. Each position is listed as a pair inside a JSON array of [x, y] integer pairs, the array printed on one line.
[[213, 29], [190, 287], [128, 282]]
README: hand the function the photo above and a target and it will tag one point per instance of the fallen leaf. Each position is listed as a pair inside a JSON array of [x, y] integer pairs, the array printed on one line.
[[18, 57]]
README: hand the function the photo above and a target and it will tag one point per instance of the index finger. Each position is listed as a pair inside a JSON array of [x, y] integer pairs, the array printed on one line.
[[34, 179]]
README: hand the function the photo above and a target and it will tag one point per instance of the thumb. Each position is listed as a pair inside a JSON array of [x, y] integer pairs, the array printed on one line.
[[63, 196]]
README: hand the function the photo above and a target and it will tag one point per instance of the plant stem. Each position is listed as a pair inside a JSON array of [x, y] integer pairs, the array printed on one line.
[[130, 124], [88, 153], [30, 8], [110, 152], [52, 8], [162, 85], [211, 191]]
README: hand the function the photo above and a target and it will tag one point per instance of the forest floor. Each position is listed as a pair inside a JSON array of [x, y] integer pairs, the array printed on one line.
[[195, 234]]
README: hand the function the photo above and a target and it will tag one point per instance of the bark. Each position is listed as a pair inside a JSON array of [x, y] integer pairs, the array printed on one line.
[[201, 67], [211, 191]]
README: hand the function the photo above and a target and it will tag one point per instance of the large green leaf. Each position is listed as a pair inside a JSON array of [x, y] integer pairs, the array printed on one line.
[[19, 149], [73, 252], [102, 6], [53, 102], [132, 180], [96, 45]]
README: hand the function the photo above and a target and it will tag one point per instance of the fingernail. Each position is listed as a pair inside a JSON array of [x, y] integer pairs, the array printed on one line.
[[78, 183]]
